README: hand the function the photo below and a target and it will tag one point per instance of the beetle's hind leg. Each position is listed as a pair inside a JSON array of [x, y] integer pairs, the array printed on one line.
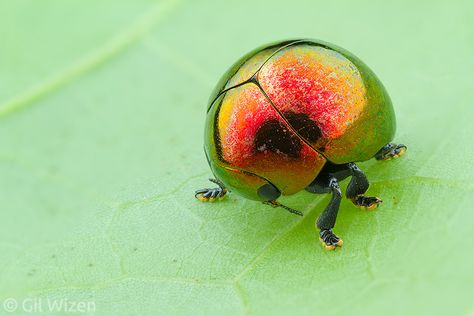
[[391, 151], [358, 186], [205, 195]]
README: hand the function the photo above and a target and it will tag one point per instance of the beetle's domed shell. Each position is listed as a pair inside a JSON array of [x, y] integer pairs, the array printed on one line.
[[282, 110]]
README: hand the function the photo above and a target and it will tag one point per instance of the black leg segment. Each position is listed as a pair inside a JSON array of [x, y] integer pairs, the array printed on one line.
[[358, 186], [327, 219]]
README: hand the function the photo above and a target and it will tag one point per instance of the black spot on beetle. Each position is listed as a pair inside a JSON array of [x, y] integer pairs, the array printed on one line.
[[274, 136], [304, 126]]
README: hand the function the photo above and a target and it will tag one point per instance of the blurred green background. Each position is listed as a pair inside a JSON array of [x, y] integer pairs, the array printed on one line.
[[102, 107]]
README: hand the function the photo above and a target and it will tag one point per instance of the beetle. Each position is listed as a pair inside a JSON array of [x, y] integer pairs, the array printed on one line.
[[297, 115]]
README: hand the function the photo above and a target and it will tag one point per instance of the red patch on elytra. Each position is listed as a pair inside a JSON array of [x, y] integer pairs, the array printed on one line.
[[318, 84], [244, 111]]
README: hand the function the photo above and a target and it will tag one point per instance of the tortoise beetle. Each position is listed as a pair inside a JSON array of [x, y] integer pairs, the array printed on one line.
[[298, 115]]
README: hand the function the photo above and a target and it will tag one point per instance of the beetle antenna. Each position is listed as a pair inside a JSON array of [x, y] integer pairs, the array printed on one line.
[[278, 204]]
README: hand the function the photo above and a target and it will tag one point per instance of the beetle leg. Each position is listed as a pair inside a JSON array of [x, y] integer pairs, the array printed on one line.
[[327, 219], [211, 195], [358, 186], [391, 151]]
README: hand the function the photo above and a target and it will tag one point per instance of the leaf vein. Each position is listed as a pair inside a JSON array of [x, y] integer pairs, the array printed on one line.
[[91, 61]]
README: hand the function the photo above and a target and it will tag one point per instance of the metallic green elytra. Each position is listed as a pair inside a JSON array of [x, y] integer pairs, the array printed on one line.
[[297, 115]]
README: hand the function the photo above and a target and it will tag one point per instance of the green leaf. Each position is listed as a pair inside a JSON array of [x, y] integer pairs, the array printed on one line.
[[102, 109]]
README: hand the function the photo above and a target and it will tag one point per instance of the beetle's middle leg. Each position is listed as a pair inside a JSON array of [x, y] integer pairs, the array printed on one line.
[[358, 186]]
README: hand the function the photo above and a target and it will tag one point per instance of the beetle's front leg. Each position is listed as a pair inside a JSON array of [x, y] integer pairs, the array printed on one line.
[[327, 219], [358, 186], [210, 195], [390, 151]]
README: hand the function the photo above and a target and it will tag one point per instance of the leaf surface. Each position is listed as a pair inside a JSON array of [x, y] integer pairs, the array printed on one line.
[[101, 119]]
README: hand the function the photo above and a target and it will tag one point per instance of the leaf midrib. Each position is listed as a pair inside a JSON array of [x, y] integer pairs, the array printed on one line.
[[91, 61]]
